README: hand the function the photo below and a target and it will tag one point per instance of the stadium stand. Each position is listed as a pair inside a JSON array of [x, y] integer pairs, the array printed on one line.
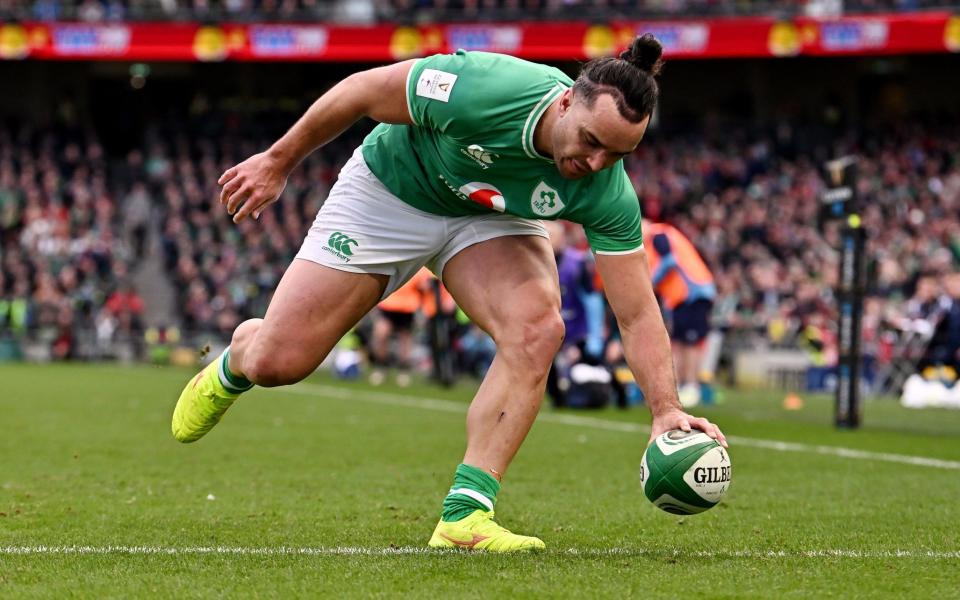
[[741, 178], [753, 215], [64, 264], [225, 274], [749, 203], [240, 11]]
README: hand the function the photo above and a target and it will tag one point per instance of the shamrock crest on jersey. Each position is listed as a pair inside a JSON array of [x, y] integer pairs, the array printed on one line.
[[545, 200]]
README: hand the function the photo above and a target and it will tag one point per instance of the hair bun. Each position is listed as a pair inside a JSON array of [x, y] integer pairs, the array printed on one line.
[[644, 53]]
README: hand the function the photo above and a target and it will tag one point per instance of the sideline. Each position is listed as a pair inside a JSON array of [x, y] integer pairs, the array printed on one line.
[[435, 404]]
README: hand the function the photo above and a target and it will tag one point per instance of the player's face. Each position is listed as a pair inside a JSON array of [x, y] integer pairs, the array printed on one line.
[[587, 139]]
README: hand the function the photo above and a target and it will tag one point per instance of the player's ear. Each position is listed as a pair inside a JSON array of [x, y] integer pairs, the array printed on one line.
[[566, 99]]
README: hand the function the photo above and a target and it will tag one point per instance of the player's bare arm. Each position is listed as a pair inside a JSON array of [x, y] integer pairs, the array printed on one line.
[[646, 345], [258, 181]]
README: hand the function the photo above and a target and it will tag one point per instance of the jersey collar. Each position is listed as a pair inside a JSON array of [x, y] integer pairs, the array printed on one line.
[[534, 117]]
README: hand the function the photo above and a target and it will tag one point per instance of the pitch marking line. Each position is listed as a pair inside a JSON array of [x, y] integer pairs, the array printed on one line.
[[435, 404], [411, 550]]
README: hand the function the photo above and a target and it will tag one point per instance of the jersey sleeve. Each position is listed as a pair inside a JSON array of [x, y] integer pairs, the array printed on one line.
[[614, 226], [457, 93]]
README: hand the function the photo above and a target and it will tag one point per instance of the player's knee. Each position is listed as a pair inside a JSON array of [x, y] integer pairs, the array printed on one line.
[[244, 333], [536, 341], [552, 332]]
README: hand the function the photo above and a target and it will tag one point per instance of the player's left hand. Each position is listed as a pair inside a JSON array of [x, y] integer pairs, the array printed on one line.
[[677, 419], [249, 187]]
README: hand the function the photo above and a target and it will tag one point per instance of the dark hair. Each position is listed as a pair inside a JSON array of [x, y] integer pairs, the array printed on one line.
[[629, 78]]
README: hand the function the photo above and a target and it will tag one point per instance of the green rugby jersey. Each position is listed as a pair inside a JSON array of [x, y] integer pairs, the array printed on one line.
[[471, 150]]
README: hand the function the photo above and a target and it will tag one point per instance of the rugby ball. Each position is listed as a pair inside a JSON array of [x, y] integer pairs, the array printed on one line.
[[685, 473]]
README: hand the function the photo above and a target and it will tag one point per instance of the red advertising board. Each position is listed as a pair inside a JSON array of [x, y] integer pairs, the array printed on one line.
[[717, 38], [880, 34]]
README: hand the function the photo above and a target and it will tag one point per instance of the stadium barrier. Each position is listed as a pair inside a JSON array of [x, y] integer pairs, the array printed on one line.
[[755, 37], [772, 368]]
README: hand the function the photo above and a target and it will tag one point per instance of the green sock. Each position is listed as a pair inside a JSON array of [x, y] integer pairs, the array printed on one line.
[[473, 489], [233, 383]]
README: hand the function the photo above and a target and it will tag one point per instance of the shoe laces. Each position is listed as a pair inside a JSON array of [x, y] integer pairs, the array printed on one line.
[[491, 524]]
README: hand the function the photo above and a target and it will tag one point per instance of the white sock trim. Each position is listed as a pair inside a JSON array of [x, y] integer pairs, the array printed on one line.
[[223, 376], [472, 494]]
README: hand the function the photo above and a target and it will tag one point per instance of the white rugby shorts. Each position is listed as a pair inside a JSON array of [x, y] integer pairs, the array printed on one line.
[[363, 228]]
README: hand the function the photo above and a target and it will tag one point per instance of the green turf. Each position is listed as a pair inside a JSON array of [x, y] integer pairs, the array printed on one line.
[[87, 460]]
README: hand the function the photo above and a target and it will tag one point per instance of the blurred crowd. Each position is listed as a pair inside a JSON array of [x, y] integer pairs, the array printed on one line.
[[507, 10], [93, 11], [75, 224], [226, 273], [752, 207], [432, 10], [64, 264]]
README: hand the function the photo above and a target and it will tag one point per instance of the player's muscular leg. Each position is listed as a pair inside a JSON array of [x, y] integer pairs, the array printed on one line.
[[313, 307], [508, 286]]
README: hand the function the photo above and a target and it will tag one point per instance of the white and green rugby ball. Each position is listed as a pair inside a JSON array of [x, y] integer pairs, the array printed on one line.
[[685, 473]]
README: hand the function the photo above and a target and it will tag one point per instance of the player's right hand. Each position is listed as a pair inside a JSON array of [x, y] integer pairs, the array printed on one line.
[[678, 419], [252, 185]]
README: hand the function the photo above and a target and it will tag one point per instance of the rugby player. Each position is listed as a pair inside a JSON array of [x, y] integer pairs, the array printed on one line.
[[473, 149]]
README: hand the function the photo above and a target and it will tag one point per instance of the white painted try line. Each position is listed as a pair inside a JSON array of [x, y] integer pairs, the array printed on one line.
[[419, 550], [435, 404]]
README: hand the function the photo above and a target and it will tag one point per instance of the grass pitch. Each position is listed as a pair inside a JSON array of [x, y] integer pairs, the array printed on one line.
[[332, 489]]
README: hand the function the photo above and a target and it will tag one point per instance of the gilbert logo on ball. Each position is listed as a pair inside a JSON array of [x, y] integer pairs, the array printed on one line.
[[685, 473]]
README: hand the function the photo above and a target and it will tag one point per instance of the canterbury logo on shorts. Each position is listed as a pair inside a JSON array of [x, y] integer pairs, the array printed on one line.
[[339, 244]]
